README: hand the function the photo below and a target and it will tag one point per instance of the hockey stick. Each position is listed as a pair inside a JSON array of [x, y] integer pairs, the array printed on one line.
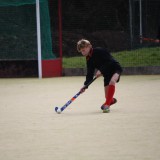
[[59, 110]]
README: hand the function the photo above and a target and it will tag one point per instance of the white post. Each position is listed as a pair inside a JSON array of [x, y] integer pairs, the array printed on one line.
[[140, 20], [130, 23], [39, 39]]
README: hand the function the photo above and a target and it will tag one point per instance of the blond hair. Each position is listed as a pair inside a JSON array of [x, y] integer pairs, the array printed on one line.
[[82, 44]]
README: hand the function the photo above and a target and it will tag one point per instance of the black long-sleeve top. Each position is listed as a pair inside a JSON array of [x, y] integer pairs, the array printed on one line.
[[100, 59]]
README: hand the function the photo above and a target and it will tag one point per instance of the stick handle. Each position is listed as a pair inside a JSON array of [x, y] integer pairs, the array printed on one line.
[[87, 85], [75, 96]]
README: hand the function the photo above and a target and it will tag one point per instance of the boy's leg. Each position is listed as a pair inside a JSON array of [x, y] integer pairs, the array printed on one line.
[[110, 90], [106, 91], [114, 100], [110, 93]]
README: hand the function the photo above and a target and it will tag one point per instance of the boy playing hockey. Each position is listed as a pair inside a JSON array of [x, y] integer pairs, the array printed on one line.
[[100, 60]]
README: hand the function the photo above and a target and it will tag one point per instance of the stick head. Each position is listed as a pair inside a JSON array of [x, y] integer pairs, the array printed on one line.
[[58, 110]]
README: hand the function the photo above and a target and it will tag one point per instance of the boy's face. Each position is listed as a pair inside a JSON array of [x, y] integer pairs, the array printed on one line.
[[85, 51]]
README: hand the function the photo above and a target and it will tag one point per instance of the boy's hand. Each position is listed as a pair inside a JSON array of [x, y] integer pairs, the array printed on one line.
[[86, 86], [98, 73], [82, 89]]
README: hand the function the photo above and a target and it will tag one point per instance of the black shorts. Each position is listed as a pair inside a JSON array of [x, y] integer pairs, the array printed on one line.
[[113, 70]]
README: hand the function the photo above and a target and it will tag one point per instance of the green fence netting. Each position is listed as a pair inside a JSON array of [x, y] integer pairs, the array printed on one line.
[[18, 30]]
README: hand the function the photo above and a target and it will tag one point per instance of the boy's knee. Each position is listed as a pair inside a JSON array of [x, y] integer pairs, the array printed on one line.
[[112, 82], [114, 79]]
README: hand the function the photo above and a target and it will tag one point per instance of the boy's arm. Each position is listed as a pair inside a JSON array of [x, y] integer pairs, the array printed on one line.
[[87, 85], [89, 76], [90, 72], [88, 79]]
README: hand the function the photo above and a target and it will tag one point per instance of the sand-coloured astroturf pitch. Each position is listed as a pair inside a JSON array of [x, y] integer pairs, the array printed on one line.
[[31, 130]]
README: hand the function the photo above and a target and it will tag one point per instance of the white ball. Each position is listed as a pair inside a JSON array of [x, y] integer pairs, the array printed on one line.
[[58, 110]]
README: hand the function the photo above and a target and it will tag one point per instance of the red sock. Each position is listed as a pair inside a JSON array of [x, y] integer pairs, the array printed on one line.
[[109, 97]]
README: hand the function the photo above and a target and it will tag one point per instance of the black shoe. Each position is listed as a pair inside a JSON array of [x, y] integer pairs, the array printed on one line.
[[113, 102]]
